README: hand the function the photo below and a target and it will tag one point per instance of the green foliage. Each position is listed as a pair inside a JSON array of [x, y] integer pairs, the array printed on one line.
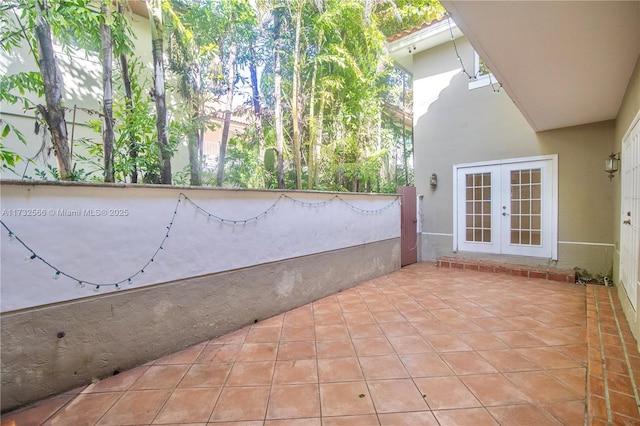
[[9, 158], [244, 166], [136, 125], [351, 98], [22, 83], [51, 173], [393, 17], [270, 160]]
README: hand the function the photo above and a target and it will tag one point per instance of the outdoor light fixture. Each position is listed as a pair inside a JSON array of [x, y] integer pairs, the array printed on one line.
[[611, 164], [433, 180]]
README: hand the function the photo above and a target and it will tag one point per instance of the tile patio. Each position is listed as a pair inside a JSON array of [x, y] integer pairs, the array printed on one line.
[[421, 346]]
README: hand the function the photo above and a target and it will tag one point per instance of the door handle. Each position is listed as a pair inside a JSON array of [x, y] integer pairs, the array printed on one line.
[[627, 222], [505, 214]]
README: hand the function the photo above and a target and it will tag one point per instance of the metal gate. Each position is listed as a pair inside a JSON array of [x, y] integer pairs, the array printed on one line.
[[408, 225]]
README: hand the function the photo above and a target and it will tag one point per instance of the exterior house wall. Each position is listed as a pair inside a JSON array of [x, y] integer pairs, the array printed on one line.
[[629, 110], [456, 125], [274, 251]]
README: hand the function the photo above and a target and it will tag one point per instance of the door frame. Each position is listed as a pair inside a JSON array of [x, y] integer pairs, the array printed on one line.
[[625, 234], [553, 158]]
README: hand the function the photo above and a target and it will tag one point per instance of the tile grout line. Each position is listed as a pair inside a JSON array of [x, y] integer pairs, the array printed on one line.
[[604, 366], [223, 386], [589, 291], [398, 355], [315, 345], [172, 390], [366, 381], [439, 355], [273, 373], [624, 350]]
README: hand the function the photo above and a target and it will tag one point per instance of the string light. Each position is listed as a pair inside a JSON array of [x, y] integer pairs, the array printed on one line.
[[129, 280], [464, 70], [82, 283]]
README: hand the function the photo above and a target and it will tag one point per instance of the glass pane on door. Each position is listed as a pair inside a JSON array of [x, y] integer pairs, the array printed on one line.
[[526, 207], [478, 207]]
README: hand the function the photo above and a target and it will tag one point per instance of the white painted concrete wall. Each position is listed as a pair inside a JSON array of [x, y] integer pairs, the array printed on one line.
[[106, 234]]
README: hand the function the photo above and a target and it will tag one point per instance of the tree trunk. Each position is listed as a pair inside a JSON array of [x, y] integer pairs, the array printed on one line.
[[128, 99], [311, 160], [319, 131], [294, 98], [231, 76], [194, 159], [404, 137], [195, 139], [164, 156], [277, 89], [53, 113], [107, 91], [257, 110], [196, 132]]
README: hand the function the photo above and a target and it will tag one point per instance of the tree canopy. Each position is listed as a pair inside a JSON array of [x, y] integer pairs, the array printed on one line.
[[309, 83]]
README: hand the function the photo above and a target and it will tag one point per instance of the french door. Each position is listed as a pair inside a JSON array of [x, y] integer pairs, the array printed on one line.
[[630, 209], [509, 207]]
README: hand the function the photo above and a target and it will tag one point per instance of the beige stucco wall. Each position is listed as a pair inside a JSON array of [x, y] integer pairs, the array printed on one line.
[[629, 110], [455, 125]]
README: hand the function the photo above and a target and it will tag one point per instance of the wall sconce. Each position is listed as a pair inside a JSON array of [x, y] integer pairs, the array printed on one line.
[[611, 164], [433, 180]]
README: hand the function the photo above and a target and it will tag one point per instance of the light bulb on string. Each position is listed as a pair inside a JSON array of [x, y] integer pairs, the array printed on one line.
[[80, 284], [31, 257], [11, 236], [96, 288], [56, 276]]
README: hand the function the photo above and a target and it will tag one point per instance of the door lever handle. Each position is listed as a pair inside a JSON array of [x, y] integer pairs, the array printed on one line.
[[627, 222], [505, 214]]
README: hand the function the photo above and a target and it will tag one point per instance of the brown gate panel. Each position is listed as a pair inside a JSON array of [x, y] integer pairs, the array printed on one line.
[[408, 225]]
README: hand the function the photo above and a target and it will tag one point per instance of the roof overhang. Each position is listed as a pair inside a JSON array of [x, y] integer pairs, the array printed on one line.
[[563, 63], [403, 46]]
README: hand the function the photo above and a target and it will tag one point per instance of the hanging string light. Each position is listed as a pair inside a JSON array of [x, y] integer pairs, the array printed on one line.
[[82, 283], [475, 75], [32, 256]]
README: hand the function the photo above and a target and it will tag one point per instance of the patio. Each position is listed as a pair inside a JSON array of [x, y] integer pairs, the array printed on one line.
[[421, 346]]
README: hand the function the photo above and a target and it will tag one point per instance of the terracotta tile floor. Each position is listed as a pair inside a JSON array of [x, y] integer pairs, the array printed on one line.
[[421, 346]]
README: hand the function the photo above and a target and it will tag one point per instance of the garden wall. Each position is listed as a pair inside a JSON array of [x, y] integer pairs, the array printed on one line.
[[97, 279]]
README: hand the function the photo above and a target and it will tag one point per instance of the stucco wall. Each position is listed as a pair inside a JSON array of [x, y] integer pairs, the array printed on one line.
[[455, 125], [209, 278]]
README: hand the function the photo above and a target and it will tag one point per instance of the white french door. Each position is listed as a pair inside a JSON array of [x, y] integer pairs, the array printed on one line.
[[630, 210], [509, 207]]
